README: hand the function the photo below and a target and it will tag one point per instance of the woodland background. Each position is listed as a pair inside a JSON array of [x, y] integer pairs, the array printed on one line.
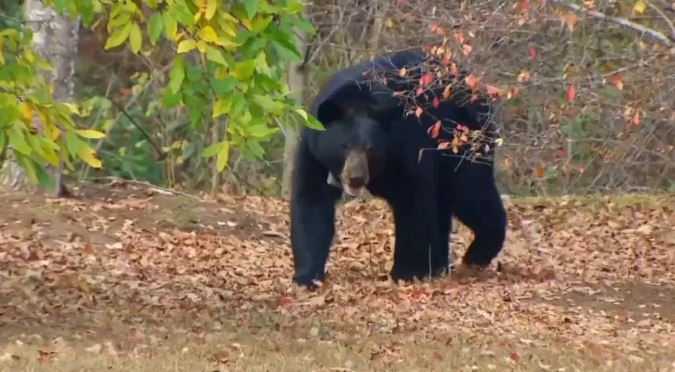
[[595, 110]]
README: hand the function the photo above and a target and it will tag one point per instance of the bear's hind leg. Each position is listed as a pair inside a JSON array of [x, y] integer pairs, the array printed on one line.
[[478, 205]]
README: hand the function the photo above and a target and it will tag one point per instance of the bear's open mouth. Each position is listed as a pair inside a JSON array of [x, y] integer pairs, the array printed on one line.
[[354, 191]]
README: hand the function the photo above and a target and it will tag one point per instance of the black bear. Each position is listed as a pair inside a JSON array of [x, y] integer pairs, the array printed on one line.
[[370, 142]]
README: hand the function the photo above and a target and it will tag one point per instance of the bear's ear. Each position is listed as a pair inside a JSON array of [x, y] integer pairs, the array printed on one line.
[[385, 108]]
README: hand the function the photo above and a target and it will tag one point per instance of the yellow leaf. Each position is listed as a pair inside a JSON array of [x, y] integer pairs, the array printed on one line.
[[135, 38], [88, 155], [208, 34], [640, 6], [539, 171], [186, 46], [221, 106], [89, 133], [26, 112], [211, 7], [201, 45], [223, 155]]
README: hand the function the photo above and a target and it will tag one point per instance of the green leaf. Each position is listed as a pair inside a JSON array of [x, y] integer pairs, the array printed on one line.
[[285, 44], [135, 38], [260, 24], [3, 142], [261, 130], [90, 133], [310, 121], [17, 140], [255, 148], [118, 36], [155, 27], [171, 99], [29, 168], [295, 6], [268, 104], [212, 150], [304, 25], [251, 7], [170, 25], [223, 155], [224, 86], [214, 55], [74, 143], [243, 70], [177, 74]]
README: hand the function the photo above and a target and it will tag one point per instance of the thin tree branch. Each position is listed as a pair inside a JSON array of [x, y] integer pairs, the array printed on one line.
[[653, 34], [665, 18]]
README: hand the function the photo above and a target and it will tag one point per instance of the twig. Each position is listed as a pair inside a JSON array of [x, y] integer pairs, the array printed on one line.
[[664, 17], [146, 184], [656, 35]]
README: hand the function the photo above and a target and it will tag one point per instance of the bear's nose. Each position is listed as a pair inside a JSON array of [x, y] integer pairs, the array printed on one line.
[[357, 181]]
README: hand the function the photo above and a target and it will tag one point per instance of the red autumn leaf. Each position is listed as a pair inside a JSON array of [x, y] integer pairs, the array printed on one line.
[[285, 301], [523, 5], [418, 111], [515, 357], [462, 128], [471, 81], [459, 37], [436, 28], [419, 91], [571, 93], [125, 91], [418, 294], [444, 145], [617, 81], [453, 69], [427, 79], [466, 48], [435, 130], [436, 102], [494, 91], [561, 153], [533, 52]]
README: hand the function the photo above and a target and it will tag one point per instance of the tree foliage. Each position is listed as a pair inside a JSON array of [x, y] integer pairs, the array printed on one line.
[[228, 65]]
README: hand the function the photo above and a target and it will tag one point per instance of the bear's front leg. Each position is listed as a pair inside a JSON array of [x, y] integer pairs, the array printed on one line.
[[312, 218]]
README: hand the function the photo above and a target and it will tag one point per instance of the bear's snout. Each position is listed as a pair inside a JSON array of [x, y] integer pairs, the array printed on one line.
[[355, 174]]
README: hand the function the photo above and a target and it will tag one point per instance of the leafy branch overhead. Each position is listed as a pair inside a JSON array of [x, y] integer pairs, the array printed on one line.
[[229, 62]]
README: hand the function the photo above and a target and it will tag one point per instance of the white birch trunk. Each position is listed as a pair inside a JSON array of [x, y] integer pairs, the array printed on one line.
[[55, 38]]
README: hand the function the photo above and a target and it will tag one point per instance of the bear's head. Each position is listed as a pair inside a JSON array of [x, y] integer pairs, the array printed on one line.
[[354, 144]]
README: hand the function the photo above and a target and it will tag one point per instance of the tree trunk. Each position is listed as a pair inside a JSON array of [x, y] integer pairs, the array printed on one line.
[[297, 81], [55, 39]]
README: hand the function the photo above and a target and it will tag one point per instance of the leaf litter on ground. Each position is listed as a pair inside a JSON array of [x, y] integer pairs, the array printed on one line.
[[593, 273]]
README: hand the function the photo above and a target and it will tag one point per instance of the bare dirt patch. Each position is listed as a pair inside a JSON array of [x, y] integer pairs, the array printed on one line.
[[129, 272]]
